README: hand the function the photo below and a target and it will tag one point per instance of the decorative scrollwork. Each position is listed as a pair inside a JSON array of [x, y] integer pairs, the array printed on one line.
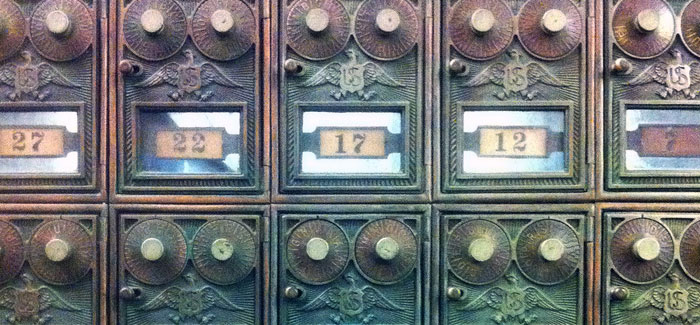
[[674, 301], [28, 78], [674, 75], [29, 304]]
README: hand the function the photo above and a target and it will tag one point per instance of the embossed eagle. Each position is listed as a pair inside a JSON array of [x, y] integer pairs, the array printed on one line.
[[29, 78], [673, 74], [512, 302], [352, 302], [28, 304], [514, 77], [189, 78], [190, 303], [352, 77], [675, 301]]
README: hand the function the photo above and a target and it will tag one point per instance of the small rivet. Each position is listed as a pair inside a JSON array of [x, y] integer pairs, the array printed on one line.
[[222, 21], [554, 21], [57, 22], [481, 249], [152, 249], [647, 20], [647, 248], [388, 20], [152, 21], [551, 249], [317, 249], [222, 249], [454, 293], [387, 248], [482, 21], [292, 292], [57, 250], [317, 20]]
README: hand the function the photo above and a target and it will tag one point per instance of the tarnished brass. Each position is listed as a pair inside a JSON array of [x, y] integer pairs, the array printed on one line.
[[317, 251], [548, 251], [386, 250], [61, 252], [154, 251], [641, 250], [224, 251], [478, 251], [11, 252]]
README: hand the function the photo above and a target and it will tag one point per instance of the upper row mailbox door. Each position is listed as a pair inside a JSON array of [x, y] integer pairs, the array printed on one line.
[[513, 96], [49, 103], [351, 110], [651, 84], [188, 109]]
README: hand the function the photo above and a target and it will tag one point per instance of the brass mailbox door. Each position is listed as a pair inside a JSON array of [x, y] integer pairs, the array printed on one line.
[[351, 113], [503, 265], [188, 116], [514, 98], [652, 124], [200, 266], [51, 106], [351, 265], [51, 264]]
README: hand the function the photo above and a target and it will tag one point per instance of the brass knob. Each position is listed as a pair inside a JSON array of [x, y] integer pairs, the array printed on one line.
[[317, 249], [58, 23], [619, 293], [222, 249], [481, 249], [622, 66], [57, 250], [293, 67], [553, 21], [152, 21], [458, 67], [130, 68], [317, 20], [292, 292], [647, 21], [387, 20], [646, 249], [130, 293], [551, 250], [222, 21], [454, 293], [482, 21], [152, 249], [387, 248]]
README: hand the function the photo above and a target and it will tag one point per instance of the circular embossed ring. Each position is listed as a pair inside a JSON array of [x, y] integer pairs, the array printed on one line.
[[690, 250], [317, 29], [478, 251], [61, 30], [155, 251], [481, 29], [550, 29], [317, 251], [386, 29], [690, 26], [641, 250], [154, 29], [386, 250], [12, 26], [61, 252], [643, 28], [224, 251], [11, 252], [548, 251], [223, 29]]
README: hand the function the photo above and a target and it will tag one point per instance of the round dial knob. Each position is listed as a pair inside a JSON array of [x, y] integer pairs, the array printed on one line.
[[11, 250], [647, 20], [152, 249], [317, 249], [388, 20], [222, 21], [647, 248], [224, 251], [481, 249], [152, 21], [642, 250], [551, 249], [317, 20], [221, 249], [554, 21], [57, 250], [57, 22], [387, 248], [482, 21]]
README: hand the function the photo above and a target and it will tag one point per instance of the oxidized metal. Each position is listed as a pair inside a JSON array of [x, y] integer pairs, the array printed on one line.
[[641, 250], [71, 39], [28, 79], [11, 30], [330, 21], [155, 270], [386, 29], [478, 251], [233, 38], [653, 36], [30, 303], [481, 44], [548, 251], [550, 29], [673, 300], [162, 43], [690, 26], [689, 250], [74, 256], [11, 252], [386, 250], [317, 251], [673, 74], [224, 251]]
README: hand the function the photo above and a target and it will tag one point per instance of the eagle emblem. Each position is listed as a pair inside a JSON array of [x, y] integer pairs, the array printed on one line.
[[673, 74], [514, 77], [188, 78], [28, 304], [674, 301], [352, 302], [352, 77], [190, 303], [29, 78], [512, 303]]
